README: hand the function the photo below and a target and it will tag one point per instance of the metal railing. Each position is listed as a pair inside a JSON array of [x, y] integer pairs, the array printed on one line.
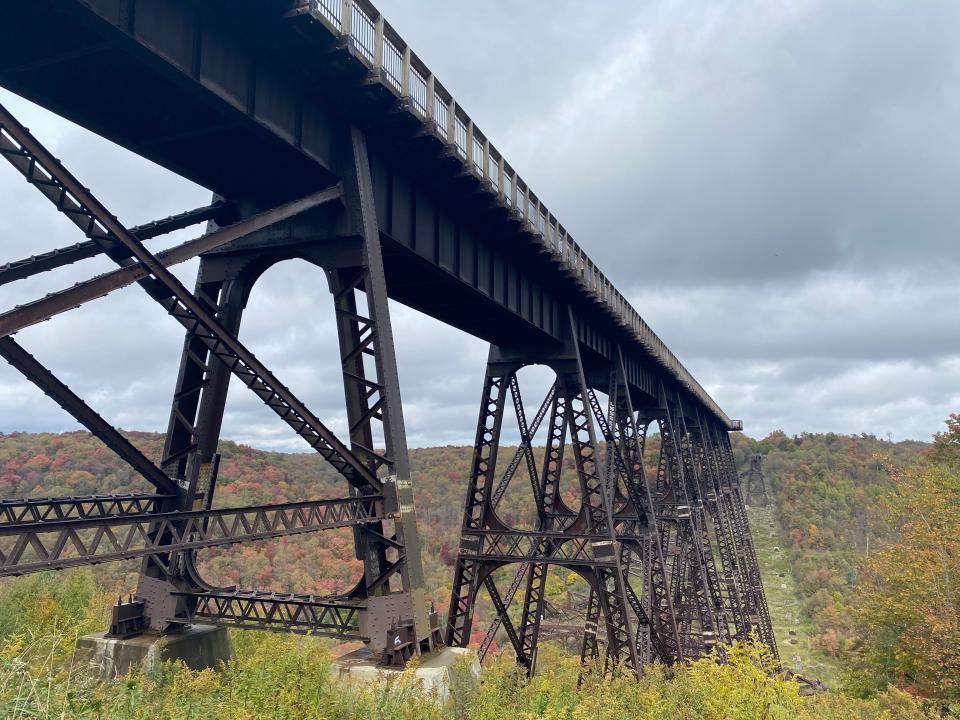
[[418, 91], [460, 138], [363, 32], [478, 155], [392, 64], [331, 10], [366, 29], [440, 114]]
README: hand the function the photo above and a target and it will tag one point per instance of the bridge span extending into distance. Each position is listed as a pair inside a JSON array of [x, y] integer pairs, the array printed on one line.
[[323, 136]]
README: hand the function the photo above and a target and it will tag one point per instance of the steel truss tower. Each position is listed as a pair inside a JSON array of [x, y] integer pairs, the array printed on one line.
[[388, 608], [756, 482], [667, 556]]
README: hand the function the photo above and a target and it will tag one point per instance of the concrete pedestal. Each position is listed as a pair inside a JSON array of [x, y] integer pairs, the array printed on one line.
[[447, 672], [197, 646]]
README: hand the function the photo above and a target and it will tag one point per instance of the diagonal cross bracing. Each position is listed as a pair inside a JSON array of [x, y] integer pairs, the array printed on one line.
[[98, 286], [46, 173], [84, 414]]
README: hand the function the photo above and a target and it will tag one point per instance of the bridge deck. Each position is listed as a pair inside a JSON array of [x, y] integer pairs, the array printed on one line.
[[247, 98]]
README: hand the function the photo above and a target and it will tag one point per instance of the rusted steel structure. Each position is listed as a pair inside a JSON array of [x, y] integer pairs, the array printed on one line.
[[323, 136], [755, 481]]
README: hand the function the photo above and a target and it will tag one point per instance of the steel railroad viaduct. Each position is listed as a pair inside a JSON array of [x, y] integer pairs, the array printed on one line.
[[323, 136]]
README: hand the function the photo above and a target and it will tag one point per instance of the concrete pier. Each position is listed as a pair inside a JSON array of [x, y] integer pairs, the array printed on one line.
[[198, 646], [448, 672]]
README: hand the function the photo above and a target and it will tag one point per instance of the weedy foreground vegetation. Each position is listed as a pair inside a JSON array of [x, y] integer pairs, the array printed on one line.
[[275, 676]]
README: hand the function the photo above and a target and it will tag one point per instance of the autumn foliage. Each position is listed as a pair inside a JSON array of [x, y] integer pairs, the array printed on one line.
[[909, 597], [871, 529]]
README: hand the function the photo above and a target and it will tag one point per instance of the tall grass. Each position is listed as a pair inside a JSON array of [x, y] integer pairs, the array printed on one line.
[[291, 678]]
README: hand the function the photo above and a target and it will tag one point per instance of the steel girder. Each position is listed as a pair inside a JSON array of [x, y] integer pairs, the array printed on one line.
[[31, 368], [713, 574], [693, 574], [597, 541], [46, 173], [56, 544], [756, 493], [339, 618], [756, 602], [686, 545], [391, 558], [27, 267], [39, 511], [167, 528]]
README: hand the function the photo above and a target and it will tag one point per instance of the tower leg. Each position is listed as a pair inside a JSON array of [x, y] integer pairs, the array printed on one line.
[[189, 451], [556, 525]]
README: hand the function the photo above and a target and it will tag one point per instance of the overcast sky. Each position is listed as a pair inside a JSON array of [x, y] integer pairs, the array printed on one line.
[[773, 185]]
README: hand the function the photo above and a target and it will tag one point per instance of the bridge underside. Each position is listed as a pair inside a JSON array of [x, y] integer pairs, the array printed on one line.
[[311, 155]]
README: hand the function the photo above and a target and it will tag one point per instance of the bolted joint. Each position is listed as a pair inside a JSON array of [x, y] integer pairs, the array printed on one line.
[[128, 619], [471, 544], [605, 550]]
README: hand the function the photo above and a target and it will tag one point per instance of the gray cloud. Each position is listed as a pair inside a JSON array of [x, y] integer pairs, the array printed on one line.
[[773, 185]]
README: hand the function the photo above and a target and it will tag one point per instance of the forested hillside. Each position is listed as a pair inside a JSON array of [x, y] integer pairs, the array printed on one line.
[[836, 518], [825, 490], [826, 494]]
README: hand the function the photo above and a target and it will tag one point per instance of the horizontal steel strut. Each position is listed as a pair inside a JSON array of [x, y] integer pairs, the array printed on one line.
[[59, 302], [52, 259], [79, 507], [57, 544], [277, 611]]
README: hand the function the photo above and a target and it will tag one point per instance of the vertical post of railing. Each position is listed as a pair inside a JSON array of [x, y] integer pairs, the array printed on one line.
[[485, 170], [431, 97], [452, 121], [346, 18], [469, 148], [378, 42], [405, 80], [501, 172]]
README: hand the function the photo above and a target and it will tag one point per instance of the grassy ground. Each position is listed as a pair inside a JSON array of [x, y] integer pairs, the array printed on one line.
[[794, 636]]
